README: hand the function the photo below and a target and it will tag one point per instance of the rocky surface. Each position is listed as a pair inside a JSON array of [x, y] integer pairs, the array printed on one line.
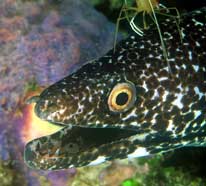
[[40, 43]]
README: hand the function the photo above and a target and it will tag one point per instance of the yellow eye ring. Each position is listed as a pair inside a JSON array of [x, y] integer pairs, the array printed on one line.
[[122, 97]]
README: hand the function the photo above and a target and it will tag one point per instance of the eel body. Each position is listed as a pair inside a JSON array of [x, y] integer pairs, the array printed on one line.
[[129, 103]]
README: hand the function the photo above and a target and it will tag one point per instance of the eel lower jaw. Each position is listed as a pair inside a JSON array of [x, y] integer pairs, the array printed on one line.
[[70, 142]]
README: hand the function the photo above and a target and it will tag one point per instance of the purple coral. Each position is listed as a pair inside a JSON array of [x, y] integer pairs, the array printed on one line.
[[45, 46]]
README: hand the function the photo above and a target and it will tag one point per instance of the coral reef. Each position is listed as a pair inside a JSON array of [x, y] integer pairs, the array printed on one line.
[[9, 176], [136, 172], [46, 46], [107, 174], [40, 42], [160, 175]]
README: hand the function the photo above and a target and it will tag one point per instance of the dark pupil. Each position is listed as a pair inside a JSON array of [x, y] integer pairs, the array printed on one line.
[[122, 99]]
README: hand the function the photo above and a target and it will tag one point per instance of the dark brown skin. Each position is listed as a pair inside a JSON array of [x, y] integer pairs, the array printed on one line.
[[166, 110]]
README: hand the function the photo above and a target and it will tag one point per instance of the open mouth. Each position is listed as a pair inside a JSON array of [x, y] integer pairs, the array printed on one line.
[[73, 146]]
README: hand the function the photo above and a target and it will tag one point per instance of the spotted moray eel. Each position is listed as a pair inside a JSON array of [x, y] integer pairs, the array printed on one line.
[[128, 104]]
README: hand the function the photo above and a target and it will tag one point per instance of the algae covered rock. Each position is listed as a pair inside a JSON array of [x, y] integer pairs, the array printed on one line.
[[9, 176], [158, 174]]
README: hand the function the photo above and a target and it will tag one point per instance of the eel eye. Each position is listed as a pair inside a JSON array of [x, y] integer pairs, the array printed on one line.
[[122, 97]]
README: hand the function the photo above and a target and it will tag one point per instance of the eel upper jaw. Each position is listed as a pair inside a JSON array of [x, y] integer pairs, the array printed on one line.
[[124, 132]]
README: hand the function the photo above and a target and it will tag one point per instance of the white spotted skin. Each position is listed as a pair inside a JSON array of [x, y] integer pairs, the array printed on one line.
[[177, 101], [139, 152], [168, 111], [99, 160]]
